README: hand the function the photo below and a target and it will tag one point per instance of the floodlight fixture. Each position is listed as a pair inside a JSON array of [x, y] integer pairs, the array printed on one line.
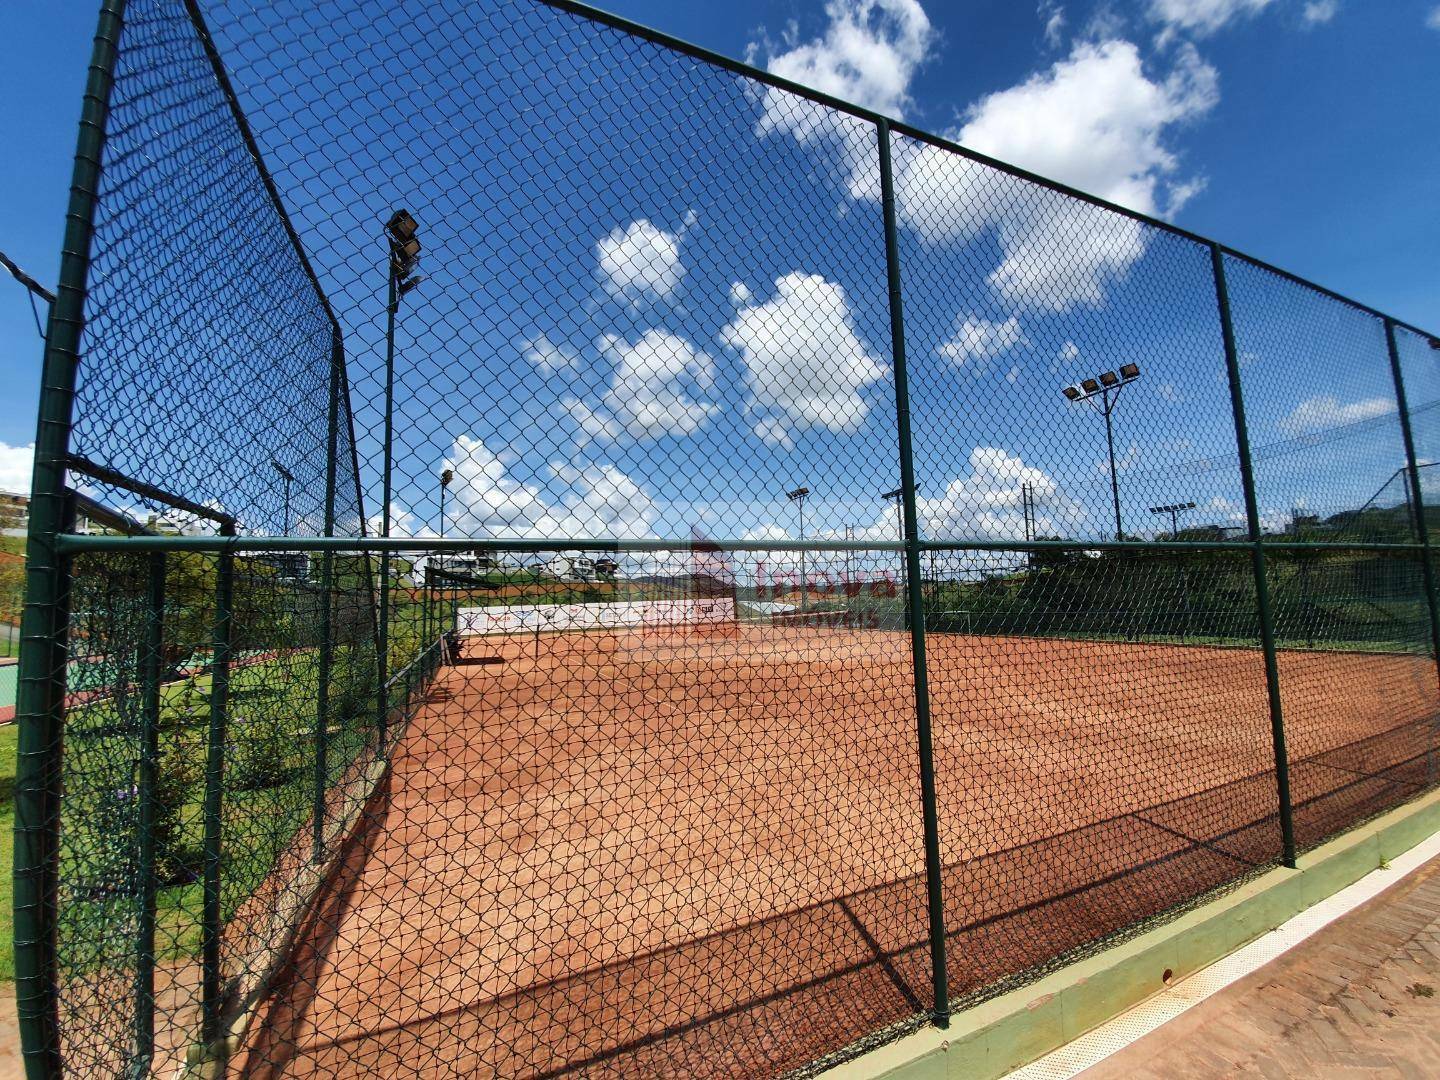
[[1109, 378], [401, 226], [405, 286], [404, 256], [798, 494], [893, 494], [446, 475], [1072, 393], [1129, 371], [284, 472], [1090, 386], [1174, 510]]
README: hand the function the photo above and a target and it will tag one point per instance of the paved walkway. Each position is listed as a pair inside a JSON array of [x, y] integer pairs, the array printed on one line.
[[1360, 999]]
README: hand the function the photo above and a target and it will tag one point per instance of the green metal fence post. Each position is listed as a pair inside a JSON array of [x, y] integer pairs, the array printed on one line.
[[327, 588], [1417, 502], [41, 690], [1257, 556], [914, 592], [211, 982], [151, 664]]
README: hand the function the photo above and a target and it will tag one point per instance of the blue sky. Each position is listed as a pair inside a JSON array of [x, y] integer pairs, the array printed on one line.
[[620, 371]]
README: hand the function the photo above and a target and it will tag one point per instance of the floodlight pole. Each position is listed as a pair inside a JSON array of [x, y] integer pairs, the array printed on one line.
[[1107, 388], [445, 477], [849, 556], [392, 304], [798, 498], [1106, 409], [403, 249], [286, 478], [1174, 510]]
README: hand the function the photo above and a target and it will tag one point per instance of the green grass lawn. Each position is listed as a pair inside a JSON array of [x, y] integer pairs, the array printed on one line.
[[272, 725]]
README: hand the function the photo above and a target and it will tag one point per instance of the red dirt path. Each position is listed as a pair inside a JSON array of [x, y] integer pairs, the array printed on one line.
[[645, 856]]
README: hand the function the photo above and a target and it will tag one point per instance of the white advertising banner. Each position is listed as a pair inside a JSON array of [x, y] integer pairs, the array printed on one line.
[[522, 618]]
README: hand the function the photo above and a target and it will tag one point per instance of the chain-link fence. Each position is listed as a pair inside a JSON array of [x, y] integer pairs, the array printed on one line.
[[554, 552]]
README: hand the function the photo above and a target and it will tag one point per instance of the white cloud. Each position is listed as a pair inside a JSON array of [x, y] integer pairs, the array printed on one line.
[[1069, 351], [16, 465], [639, 262], [652, 390], [1318, 12], [547, 356], [1059, 254], [739, 294], [1325, 411], [1095, 121], [1433, 19], [403, 523], [1125, 461], [774, 432], [1053, 15], [591, 500], [1202, 17], [982, 340], [868, 54], [595, 423], [803, 359], [988, 503], [768, 531]]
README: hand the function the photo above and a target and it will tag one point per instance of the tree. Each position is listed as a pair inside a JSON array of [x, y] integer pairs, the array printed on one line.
[[12, 588]]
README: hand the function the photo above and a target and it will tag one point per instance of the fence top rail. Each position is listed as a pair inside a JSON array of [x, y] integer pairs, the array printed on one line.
[[70, 543], [247, 136], [749, 71]]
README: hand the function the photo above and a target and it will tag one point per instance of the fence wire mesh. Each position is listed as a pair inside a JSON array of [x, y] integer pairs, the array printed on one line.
[[592, 561]]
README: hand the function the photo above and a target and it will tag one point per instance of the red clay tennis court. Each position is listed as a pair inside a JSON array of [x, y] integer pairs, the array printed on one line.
[[636, 854]]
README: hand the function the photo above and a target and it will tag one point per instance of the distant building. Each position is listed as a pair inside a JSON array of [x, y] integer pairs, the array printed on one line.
[[14, 513], [15, 517], [170, 526], [571, 568], [287, 566]]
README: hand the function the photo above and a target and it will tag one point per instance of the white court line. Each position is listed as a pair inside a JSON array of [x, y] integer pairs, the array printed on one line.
[[1114, 1035]]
